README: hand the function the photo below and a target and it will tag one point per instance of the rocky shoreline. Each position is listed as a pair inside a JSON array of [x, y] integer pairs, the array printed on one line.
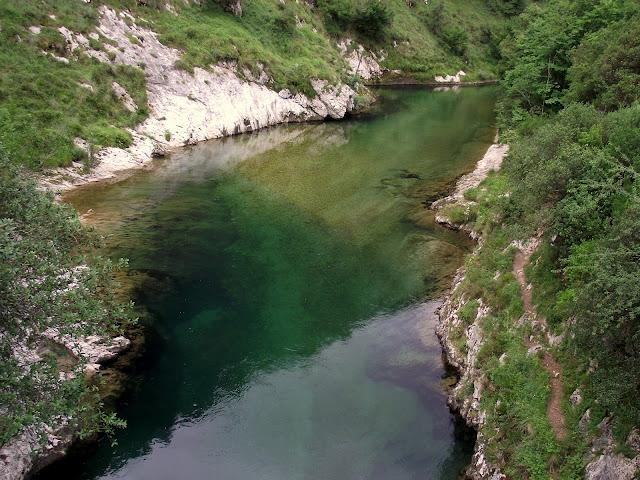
[[38, 446], [464, 397], [604, 461], [190, 107], [186, 108]]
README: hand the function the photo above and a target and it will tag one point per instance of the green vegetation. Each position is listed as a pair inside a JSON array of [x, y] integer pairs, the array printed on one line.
[[443, 37], [45, 103], [49, 96], [48, 281], [52, 95], [571, 111]]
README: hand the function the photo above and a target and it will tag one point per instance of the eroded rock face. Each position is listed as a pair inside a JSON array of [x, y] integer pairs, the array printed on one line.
[[363, 63], [605, 464], [186, 108], [471, 378], [611, 467], [39, 445]]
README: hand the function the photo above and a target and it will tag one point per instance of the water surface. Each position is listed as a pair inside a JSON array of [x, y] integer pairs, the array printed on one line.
[[288, 275]]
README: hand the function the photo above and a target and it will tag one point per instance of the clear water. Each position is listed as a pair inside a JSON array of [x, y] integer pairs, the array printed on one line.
[[288, 273]]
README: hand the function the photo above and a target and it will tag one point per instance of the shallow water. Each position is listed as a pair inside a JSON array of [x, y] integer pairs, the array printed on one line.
[[288, 274]]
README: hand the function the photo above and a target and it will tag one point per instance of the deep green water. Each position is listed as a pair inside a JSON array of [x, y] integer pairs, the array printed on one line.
[[288, 274]]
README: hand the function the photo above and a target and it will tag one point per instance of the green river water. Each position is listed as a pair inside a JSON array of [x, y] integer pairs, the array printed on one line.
[[289, 275]]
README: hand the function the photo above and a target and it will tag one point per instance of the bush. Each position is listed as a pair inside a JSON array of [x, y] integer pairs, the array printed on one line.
[[372, 19], [607, 308], [508, 8], [539, 53], [338, 14], [47, 282], [606, 67], [454, 37]]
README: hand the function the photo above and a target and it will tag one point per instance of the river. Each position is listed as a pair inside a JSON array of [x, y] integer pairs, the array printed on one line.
[[290, 276]]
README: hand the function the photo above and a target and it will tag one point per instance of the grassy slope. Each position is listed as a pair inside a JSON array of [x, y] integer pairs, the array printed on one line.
[[426, 55], [43, 104], [519, 435]]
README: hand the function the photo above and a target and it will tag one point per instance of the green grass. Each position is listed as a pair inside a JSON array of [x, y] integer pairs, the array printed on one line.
[[459, 214], [266, 34], [421, 54], [43, 103], [520, 438], [519, 434]]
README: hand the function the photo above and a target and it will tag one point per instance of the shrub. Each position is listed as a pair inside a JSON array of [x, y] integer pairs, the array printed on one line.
[[41, 253], [453, 36], [606, 67], [508, 8], [372, 19]]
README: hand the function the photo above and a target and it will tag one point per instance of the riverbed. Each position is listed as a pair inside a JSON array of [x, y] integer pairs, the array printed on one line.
[[291, 279]]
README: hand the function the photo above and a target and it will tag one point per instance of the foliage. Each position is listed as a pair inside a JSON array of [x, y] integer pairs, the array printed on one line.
[[572, 173], [372, 19], [604, 274], [606, 67], [508, 8], [46, 103], [538, 54], [47, 282], [452, 35]]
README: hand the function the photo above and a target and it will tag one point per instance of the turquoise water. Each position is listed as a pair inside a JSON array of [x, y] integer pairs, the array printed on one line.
[[288, 275]]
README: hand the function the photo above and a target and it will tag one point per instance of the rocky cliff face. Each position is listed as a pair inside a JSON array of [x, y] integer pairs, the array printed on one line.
[[185, 107], [465, 396]]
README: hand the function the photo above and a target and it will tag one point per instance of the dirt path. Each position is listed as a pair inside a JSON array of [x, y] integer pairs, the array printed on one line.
[[554, 410]]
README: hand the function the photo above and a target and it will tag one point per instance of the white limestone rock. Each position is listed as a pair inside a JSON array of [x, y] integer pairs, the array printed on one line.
[[362, 62], [457, 78], [193, 107], [124, 97]]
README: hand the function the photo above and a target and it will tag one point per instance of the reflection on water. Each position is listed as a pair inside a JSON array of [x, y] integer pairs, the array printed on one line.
[[286, 273]]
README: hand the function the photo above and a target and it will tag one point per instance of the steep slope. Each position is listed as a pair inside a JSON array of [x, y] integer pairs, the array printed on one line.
[[542, 321]]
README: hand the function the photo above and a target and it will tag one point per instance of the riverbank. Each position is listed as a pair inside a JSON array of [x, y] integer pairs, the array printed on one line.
[[188, 107], [465, 396], [510, 361], [176, 102], [63, 442]]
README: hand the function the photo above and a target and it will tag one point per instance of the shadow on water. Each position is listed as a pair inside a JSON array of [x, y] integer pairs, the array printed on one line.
[[285, 273]]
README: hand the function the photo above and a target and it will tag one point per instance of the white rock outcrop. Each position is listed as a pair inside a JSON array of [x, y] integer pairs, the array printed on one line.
[[187, 108], [605, 463], [39, 445], [363, 63], [124, 97], [491, 161], [450, 327], [457, 78]]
